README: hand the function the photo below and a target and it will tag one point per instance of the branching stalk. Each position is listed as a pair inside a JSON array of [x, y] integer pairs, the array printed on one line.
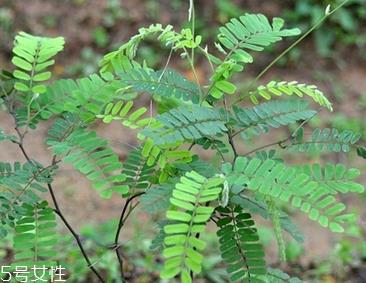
[[287, 50], [57, 209], [75, 235], [121, 222], [282, 142]]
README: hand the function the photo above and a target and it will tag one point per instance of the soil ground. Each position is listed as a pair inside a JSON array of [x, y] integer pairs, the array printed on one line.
[[81, 204]]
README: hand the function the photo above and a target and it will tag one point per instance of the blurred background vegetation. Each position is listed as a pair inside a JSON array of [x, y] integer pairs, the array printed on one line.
[[333, 57]]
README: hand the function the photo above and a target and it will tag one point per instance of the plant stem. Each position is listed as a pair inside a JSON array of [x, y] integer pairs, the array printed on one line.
[[281, 142], [321, 20], [193, 28], [57, 208], [265, 146], [205, 53], [276, 223], [121, 222], [75, 235], [191, 64], [231, 141], [287, 50], [24, 152]]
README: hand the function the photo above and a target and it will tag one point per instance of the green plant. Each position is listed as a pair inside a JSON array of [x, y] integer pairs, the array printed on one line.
[[100, 37], [163, 174], [341, 29]]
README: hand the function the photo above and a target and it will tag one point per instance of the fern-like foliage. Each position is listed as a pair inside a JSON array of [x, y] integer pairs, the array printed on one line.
[[32, 56], [121, 111], [270, 154], [240, 247], [202, 167], [163, 170], [271, 178], [189, 215], [164, 154], [156, 199], [334, 178], [20, 185], [214, 144], [166, 35], [6, 137], [166, 83], [257, 207], [62, 128], [278, 276], [7, 81], [138, 173], [158, 242], [188, 122], [274, 88], [274, 114], [250, 32], [86, 97], [325, 140], [361, 151], [129, 49], [118, 63], [35, 238], [275, 214], [91, 156]]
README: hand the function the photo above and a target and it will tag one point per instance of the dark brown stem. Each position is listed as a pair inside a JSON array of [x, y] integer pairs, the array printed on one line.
[[283, 141], [191, 146], [231, 141], [58, 211], [75, 235], [20, 142], [121, 222], [267, 145], [213, 220], [24, 152]]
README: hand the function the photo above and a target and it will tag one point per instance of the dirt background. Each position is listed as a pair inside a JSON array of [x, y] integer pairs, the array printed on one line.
[[76, 20]]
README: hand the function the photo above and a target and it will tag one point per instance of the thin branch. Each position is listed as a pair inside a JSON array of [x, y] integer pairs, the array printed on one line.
[[282, 141], [221, 154], [206, 54], [121, 222], [57, 208], [287, 50], [321, 20], [24, 152], [166, 64], [194, 73], [266, 146], [231, 141], [191, 146], [103, 256], [132, 207], [72, 231], [193, 28]]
